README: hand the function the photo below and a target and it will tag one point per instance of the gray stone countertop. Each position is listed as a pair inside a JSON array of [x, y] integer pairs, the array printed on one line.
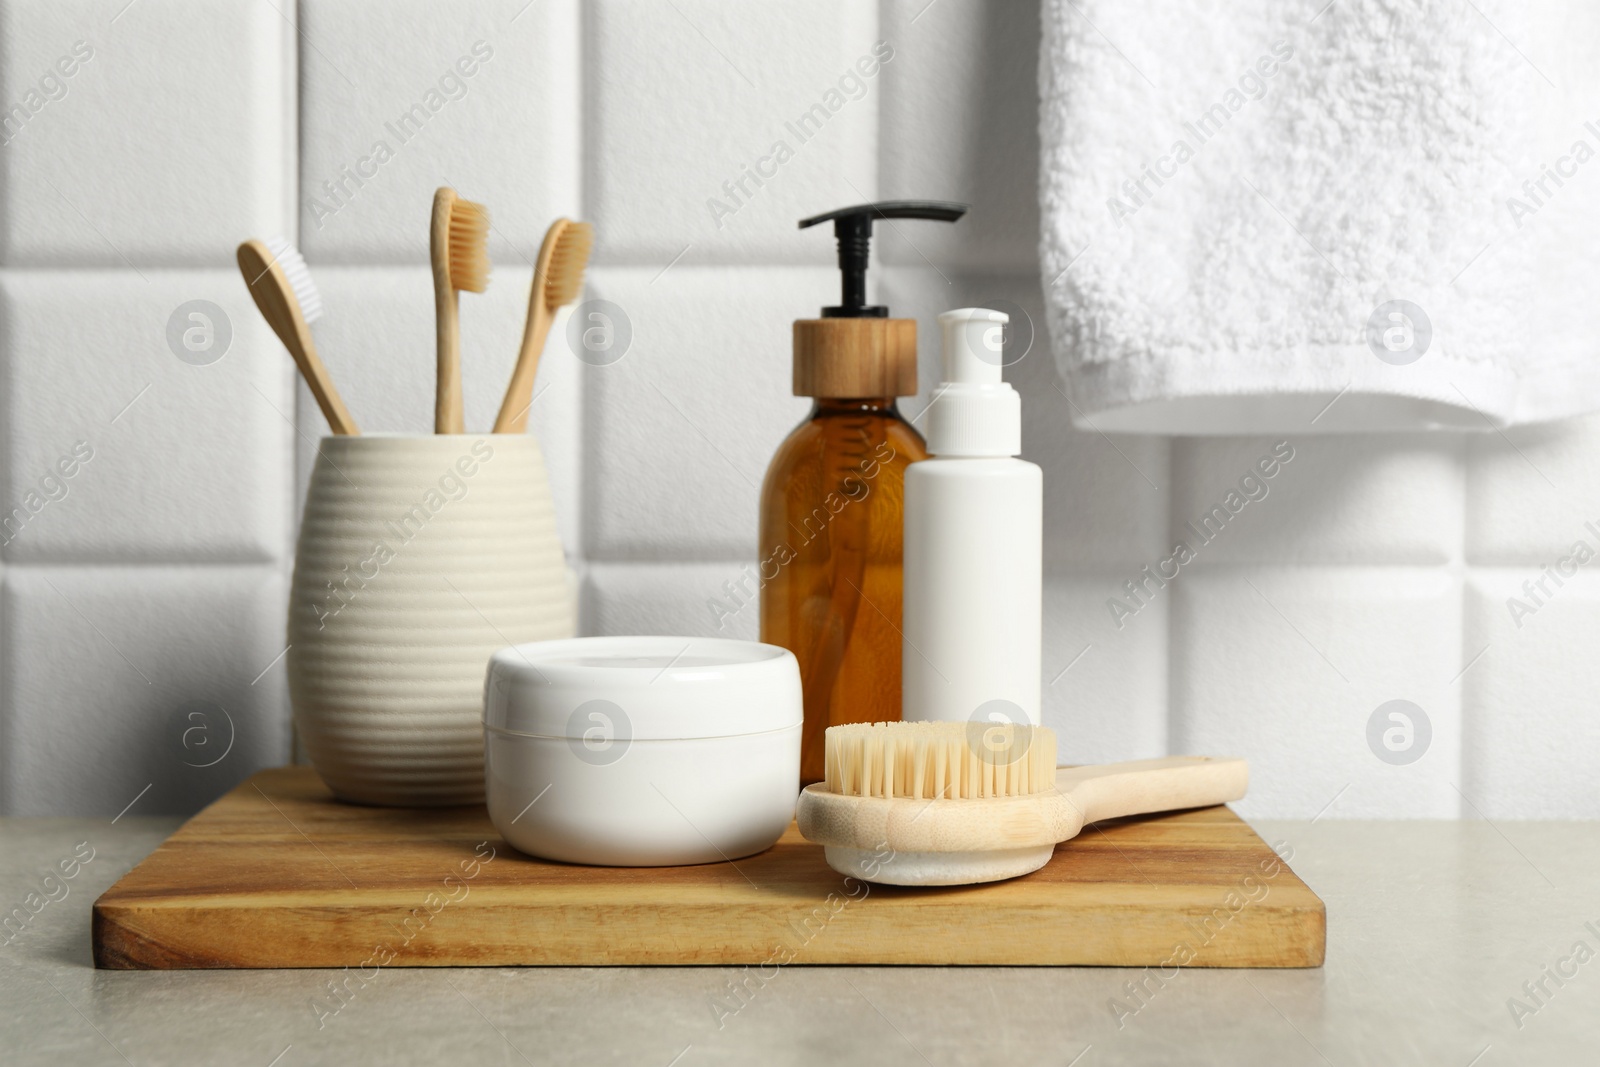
[[1457, 944]]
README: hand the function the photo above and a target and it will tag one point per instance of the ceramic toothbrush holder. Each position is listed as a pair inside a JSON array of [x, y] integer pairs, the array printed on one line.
[[419, 556]]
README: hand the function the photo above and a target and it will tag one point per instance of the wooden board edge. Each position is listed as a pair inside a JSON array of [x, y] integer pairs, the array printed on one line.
[[121, 947], [132, 938]]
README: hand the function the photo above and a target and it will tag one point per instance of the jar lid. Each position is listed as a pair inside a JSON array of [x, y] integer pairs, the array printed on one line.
[[642, 688]]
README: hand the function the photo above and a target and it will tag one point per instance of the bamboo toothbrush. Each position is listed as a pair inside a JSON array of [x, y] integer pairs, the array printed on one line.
[[458, 245], [281, 286], [557, 278], [954, 803]]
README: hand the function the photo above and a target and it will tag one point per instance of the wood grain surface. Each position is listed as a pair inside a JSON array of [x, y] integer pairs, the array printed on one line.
[[279, 874]]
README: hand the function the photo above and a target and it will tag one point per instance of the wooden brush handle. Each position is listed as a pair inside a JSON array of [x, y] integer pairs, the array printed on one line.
[[269, 288], [513, 417], [447, 404], [448, 414], [1139, 787]]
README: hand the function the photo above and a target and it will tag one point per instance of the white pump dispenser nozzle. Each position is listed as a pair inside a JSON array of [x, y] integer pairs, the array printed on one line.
[[974, 413], [973, 345]]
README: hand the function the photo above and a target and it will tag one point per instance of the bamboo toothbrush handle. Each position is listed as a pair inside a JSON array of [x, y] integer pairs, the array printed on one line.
[[447, 404], [1139, 787], [340, 421], [513, 417], [269, 288]]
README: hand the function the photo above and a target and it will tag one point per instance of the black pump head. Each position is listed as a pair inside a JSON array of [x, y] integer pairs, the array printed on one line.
[[853, 227]]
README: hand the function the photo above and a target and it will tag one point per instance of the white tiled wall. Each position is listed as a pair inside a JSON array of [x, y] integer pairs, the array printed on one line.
[[141, 611]]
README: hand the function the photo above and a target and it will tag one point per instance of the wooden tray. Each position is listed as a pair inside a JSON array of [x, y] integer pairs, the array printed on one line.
[[279, 874]]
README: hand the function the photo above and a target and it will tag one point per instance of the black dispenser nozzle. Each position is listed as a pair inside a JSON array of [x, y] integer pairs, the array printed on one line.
[[853, 227]]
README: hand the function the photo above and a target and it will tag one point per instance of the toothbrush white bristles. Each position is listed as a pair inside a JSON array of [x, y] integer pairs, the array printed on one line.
[[951, 760], [299, 275]]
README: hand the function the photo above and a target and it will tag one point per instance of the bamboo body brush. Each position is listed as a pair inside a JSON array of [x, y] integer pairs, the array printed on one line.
[[281, 285], [458, 246], [940, 803], [557, 279]]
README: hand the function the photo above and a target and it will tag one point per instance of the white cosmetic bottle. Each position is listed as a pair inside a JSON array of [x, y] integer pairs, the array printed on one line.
[[973, 522]]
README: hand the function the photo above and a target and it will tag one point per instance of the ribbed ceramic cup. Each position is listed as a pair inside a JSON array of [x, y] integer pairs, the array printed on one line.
[[418, 558]]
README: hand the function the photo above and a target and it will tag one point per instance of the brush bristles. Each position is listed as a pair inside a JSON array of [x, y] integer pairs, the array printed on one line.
[[564, 277], [299, 276], [928, 760], [469, 246]]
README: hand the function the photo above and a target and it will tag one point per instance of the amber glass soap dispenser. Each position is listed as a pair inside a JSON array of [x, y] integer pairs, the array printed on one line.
[[833, 500]]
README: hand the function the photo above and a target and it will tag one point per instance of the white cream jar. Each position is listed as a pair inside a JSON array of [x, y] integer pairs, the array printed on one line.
[[642, 751]]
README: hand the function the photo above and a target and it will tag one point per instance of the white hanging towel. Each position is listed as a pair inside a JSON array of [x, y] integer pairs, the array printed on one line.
[[1261, 217]]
